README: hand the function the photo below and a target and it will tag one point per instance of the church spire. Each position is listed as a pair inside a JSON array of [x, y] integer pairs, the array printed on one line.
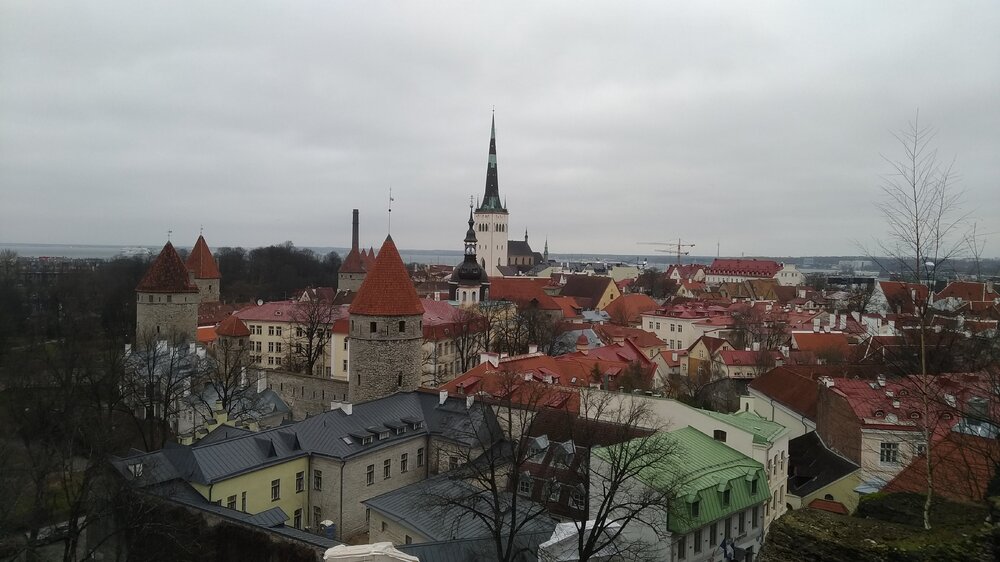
[[491, 199]]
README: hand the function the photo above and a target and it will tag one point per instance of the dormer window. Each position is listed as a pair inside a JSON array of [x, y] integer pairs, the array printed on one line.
[[726, 496], [719, 435], [366, 440], [135, 469], [400, 430], [753, 486], [383, 435], [696, 508]]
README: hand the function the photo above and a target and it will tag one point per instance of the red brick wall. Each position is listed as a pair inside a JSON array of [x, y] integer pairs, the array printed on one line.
[[837, 425]]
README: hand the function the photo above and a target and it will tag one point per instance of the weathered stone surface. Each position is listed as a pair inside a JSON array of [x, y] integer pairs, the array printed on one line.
[[164, 314], [385, 359]]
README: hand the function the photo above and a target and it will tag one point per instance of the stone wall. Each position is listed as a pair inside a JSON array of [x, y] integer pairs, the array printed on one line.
[[343, 505], [208, 289], [166, 314], [304, 394], [350, 281], [384, 360]]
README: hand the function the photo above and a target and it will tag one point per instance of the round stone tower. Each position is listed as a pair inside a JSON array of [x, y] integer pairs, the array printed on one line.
[[204, 271], [167, 300], [386, 330]]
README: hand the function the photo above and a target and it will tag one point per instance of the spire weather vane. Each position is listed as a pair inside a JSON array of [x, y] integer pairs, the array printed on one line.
[[389, 223], [169, 232]]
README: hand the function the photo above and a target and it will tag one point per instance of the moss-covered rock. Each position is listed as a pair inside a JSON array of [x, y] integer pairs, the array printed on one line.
[[886, 528]]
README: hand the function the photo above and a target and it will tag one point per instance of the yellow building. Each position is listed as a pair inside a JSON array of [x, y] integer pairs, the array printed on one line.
[[319, 469]]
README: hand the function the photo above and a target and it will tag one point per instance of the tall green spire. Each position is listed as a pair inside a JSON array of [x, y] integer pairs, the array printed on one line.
[[491, 199]]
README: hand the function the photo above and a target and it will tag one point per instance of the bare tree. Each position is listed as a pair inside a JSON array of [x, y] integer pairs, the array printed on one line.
[[469, 331], [611, 499], [495, 466], [921, 209], [230, 375], [309, 337], [158, 375]]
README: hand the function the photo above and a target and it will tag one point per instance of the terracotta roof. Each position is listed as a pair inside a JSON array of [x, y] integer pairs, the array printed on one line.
[[522, 291], [796, 387], [686, 271], [282, 311], [352, 262], [201, 262], [387, 289], [610, 332], [819, 342], [211, 313], [712, 343], [205, 334], [630, 307], [744, 268], [829, 505], [232, 327], [570, 308], [900, 295], [962, 465], [968, 291], [167, 274], [741, 357]]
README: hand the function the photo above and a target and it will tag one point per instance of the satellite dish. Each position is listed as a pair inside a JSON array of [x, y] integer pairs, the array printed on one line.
[[260, 302]]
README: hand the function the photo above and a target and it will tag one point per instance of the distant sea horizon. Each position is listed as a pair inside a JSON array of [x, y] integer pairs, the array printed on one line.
[[429, 257]]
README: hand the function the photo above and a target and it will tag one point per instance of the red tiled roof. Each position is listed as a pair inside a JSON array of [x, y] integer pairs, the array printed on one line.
[[819, 342], [201, 262], [962, 466], [211, 313], [744, 268], [609, 332], [900, 295], [282, 311], [796, 387], [629, 308], [232, 327], [205, 334], [521, 291], [352, 262], [831, 506], [712, 343], [740, 357], [387, 289], [968, 291], [568, 305], [167, 274]]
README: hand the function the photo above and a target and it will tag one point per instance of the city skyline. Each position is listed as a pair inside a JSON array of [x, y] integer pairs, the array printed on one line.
[[758, 128]]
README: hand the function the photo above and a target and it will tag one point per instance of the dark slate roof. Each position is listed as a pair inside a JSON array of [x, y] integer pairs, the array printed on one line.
[[323, 435], [272, 520], [812, 466], [586, 287], [420, 506], [518, 248]]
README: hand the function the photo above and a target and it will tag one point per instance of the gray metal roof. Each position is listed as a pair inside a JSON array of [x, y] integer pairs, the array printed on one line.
[[424, 507], [474, 549], [323, 434]]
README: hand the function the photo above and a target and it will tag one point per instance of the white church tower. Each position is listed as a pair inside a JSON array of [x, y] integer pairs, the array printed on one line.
[[491, 217]]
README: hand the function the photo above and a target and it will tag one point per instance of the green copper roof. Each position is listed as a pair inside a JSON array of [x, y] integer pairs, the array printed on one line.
[[764, 431], [704, 470]]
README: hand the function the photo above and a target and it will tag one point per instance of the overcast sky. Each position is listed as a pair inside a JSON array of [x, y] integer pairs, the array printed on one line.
[[756, 125]]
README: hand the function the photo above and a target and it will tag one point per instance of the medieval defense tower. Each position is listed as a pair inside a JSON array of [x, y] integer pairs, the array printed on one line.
[[167, 300], [386, 330], [491, 217], [204, 271], [352, 269]]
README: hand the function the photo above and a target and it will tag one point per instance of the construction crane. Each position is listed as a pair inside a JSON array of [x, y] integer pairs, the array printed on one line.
[[673, 248]]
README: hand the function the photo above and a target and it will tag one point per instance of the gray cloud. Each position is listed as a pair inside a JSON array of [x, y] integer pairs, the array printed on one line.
[[759, 126]]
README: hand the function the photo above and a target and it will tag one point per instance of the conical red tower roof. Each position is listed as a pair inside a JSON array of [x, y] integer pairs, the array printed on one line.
[[232, 327], [353, 263], [201, 261], [167, 274], [387, 289]]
